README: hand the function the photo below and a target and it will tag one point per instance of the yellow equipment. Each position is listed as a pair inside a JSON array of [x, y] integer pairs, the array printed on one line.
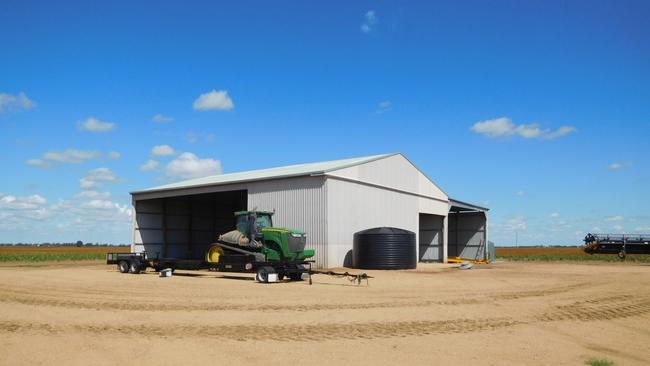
[[213, 254], [462, 260]]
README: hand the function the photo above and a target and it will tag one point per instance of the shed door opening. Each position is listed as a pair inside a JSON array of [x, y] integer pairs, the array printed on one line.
[[431, 237], [184, 227], [467, 237]]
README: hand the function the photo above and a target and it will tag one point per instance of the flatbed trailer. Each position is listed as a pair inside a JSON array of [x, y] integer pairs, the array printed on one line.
[[619, 244], [138, 262]]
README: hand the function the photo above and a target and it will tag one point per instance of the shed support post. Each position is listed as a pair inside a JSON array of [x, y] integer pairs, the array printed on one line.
[[164, 228], [189, 228], [445, 238]]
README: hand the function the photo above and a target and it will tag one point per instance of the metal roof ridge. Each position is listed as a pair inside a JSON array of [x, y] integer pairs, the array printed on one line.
[[202, 180]]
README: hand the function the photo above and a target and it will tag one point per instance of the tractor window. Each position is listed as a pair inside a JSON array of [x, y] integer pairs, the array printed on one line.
[[242, 224], [263, 221]]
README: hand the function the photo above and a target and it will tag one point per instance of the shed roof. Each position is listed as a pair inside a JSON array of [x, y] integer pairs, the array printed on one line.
[[270, 173], [457, 205]]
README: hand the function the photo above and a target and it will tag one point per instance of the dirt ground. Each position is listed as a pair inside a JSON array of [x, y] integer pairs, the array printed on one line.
[[500, 314]]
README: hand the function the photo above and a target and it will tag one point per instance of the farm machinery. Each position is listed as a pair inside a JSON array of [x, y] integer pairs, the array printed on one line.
[[272, 253], [619, 244]]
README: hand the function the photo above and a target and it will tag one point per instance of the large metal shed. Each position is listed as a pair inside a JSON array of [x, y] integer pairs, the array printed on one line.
[[329, 200]]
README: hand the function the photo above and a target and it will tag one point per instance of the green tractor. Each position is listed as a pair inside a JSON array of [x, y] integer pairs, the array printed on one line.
[[257, 246]]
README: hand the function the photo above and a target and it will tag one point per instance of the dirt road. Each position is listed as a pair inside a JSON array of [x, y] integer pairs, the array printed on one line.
[[502, 314]]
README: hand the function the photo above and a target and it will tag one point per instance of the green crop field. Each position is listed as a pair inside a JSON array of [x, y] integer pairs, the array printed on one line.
[[29, 253]]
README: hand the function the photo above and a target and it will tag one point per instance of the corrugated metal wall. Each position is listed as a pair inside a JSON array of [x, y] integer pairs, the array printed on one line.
[[354, 207], [467, 235], [431, 237], [299, 203], [395, 172], [386, 192]]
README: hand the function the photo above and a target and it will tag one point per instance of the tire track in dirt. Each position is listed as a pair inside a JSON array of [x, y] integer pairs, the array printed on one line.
[[11, 295], [158, 306], [537, 293], [605, 308], [289, 332]]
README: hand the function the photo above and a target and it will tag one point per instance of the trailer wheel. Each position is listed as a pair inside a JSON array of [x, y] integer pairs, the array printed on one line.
[[262, 274], [621, 255], [296, 276], [123, 266], [134, 267]]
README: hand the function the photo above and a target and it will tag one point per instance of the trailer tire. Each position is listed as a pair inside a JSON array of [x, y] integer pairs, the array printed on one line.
[[296, 276], [621, 255], [123, 266], [262, 274], [134, 267]]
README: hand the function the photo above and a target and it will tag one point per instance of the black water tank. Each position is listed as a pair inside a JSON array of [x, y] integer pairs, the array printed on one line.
[[384, 248]]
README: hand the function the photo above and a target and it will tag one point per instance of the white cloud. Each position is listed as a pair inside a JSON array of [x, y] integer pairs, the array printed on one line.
[[149, 165], [96, 177], [384, 106], [93, 195], [520, 193], [20, 101], [22, 203], [17, 211], [615, 218], [193, 137], [162, 150], [188, 165], [89, 215], [370, 19], [617, 227], [39, 163], [99, 204], [504, 127], [161, 118], [214, 100], [70, 156], [112, 155], [619, 165], [516, 223], [645, 229], [92, 124], [564, 130], [554, 214]]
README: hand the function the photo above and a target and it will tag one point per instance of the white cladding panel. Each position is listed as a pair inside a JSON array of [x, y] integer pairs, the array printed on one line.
[[353, 207], [299, 203], [395, 172]]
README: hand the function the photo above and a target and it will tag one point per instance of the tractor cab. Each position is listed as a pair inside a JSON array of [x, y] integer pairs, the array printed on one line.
[[251, 223]]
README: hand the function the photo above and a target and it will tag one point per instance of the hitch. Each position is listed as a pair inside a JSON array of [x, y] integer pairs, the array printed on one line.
[[352, 277]]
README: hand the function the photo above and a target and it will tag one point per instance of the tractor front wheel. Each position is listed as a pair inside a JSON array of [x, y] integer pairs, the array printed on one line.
[[621, 255]]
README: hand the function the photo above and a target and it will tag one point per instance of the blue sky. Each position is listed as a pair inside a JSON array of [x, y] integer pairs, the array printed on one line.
[[538, 110]]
